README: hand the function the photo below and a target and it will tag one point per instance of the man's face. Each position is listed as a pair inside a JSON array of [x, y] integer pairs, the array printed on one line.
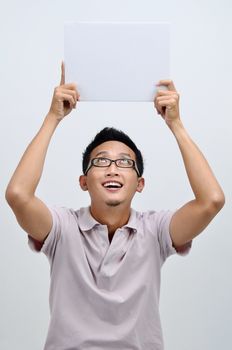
[[112, 186]]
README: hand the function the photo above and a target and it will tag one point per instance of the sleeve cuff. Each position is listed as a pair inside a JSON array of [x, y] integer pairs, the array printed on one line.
[[38, 246], [184, 249]]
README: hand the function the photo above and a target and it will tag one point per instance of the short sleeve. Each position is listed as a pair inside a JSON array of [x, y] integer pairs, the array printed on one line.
[[166, 246], [48, 247]]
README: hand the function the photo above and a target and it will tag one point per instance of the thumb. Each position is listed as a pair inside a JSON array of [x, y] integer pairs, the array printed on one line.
[[62, 79]]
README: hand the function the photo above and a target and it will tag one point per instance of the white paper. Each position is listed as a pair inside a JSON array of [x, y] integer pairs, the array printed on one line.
[[117, 61]]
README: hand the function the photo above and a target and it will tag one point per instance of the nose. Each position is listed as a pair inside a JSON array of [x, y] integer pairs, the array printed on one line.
[[112, 170]]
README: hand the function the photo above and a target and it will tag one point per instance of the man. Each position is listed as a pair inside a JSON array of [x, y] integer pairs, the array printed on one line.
[[106, 259]]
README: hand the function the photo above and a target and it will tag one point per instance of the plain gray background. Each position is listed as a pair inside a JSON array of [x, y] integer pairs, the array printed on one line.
[[196, 290]]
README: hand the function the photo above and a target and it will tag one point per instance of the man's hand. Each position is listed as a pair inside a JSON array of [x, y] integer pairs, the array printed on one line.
[[64, 99], [167, 102]]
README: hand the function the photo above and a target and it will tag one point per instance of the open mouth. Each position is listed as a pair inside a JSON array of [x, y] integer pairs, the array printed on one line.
[[112, 185]]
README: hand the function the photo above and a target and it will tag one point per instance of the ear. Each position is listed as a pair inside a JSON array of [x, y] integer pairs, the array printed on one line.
[[141, 184], [83, 183]]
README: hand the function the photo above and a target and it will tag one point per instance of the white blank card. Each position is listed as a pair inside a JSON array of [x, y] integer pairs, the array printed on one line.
[[116, 61]]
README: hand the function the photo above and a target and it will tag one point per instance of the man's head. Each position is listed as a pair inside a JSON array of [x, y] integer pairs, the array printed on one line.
[[113, 168], [112, 134]]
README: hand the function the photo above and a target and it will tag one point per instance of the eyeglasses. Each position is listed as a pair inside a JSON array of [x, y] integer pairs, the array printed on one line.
[[106, 162]]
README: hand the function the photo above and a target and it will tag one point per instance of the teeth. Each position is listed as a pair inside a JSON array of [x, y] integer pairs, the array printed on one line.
[[112, 184]]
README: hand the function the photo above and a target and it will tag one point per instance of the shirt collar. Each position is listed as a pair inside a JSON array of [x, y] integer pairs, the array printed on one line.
[[132, 222], [87, 222]]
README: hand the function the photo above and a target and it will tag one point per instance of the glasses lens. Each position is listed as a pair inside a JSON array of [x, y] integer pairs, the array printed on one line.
[[125, 163], [101, 162]]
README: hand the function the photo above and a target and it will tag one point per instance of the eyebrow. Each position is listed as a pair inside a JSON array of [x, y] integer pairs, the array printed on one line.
[[106, 153]]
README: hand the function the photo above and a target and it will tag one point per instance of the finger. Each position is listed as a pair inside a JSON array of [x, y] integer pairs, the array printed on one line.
[[158, 108], [166, 93], [167, 97], [67, 97], [73, 93], [62, 79], [162, 94], [168, 83], [170, 98], [169, 104], [70, 86]]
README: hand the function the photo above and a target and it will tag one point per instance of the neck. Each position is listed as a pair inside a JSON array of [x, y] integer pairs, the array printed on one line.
[[113, 217]]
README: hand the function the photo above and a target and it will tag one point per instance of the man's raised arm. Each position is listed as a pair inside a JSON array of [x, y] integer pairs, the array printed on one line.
[[194, 216], [31, 213]]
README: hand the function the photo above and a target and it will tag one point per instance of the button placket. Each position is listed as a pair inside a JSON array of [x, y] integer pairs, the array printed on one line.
[[103, 237]]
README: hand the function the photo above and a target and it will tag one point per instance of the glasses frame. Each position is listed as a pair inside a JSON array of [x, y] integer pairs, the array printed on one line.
[[91, 163]]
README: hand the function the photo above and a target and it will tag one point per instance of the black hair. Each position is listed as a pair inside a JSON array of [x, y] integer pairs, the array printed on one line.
[[112, 134]]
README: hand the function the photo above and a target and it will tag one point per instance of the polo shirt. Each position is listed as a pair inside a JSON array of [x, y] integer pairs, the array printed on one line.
[[105, 296]]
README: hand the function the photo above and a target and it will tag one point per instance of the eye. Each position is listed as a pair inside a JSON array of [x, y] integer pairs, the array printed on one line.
[[101, 161], [125, 162]]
